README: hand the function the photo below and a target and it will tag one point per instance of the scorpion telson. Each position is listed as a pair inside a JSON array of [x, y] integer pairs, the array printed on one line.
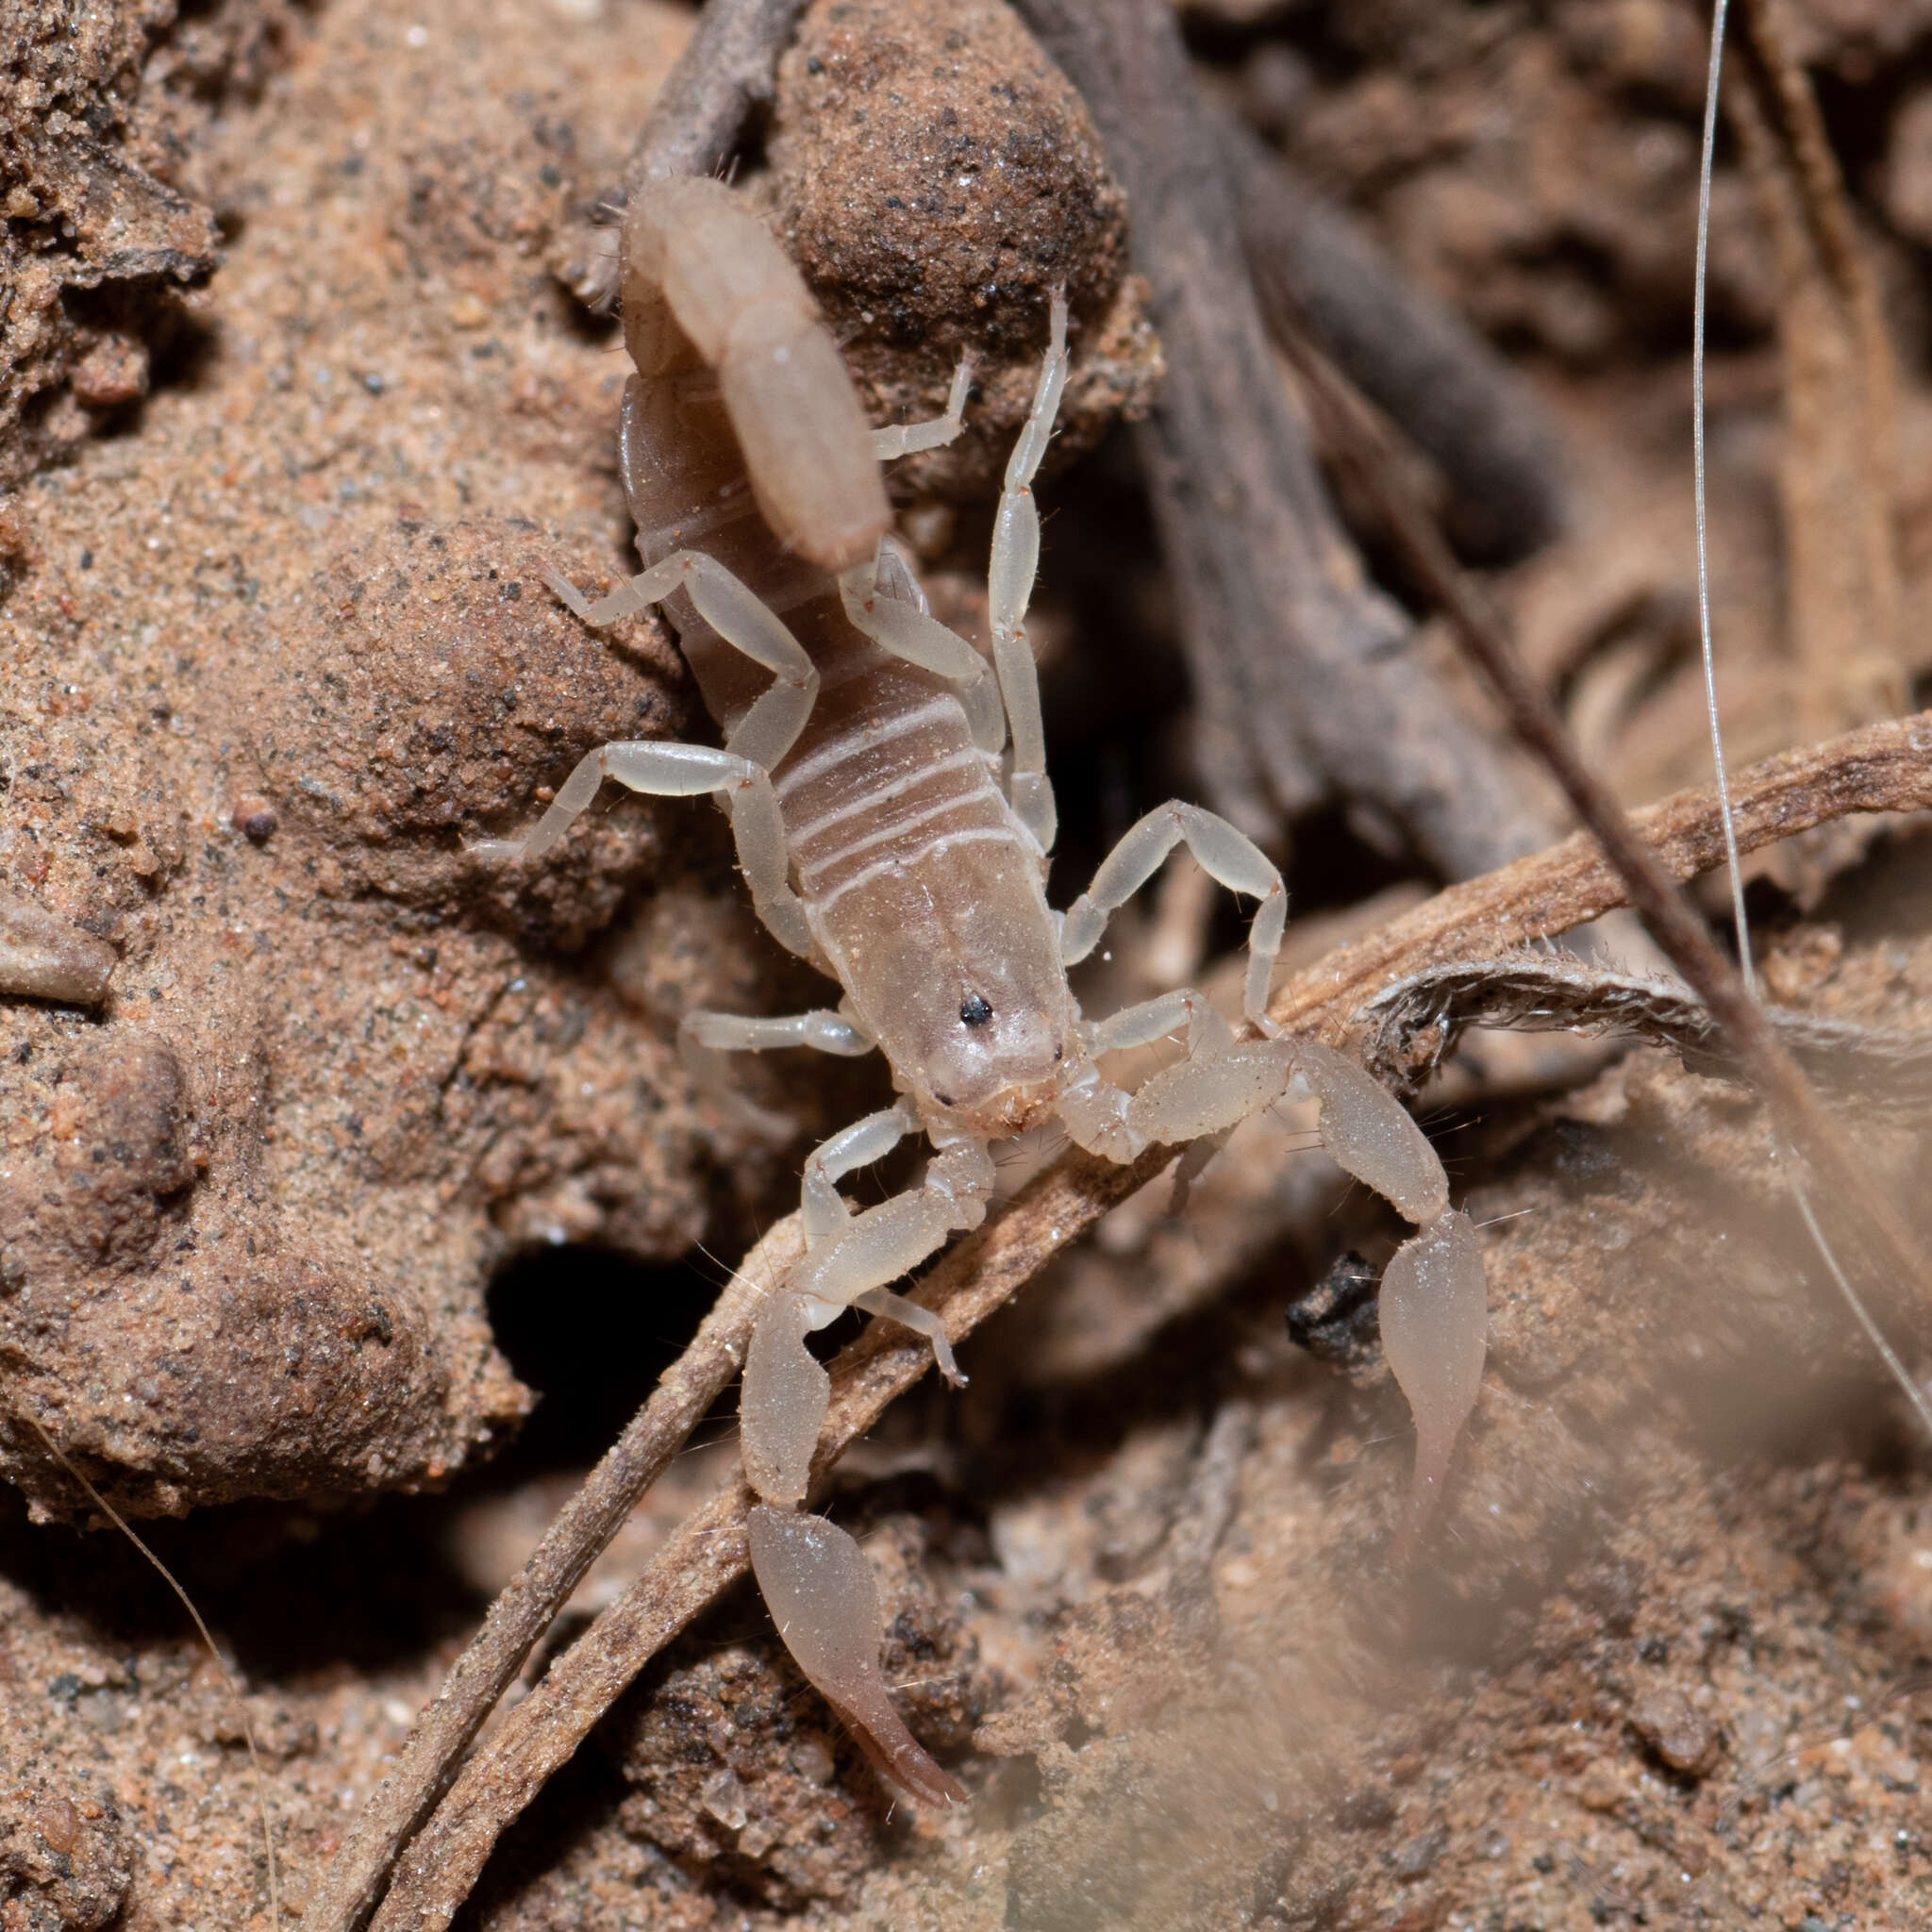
[[890, 801]]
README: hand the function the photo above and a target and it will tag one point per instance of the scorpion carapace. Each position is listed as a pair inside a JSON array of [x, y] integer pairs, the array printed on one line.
[[888, 797]]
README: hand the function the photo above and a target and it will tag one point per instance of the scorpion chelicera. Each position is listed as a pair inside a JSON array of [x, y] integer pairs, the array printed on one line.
[[889, 802]]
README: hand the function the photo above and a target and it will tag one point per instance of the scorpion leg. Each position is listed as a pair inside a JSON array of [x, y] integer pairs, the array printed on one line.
[[661, 770], [865, 1142], [883, 601], [1229, 857], [907, 439], [770, 728], [1101, 1117], [1433, 1302], [904, 628], [703, 1038], [657, 769], [895, 1308], [785, 1390], [1009, 584], [888, 1240], [1154, 1019], [1215, 1086], [766, 732]]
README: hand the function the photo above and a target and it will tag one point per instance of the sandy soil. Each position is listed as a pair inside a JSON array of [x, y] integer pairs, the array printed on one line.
[[365, 1145]]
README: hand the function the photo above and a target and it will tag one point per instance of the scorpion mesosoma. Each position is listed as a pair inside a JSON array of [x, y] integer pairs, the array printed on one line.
[[891, 810]]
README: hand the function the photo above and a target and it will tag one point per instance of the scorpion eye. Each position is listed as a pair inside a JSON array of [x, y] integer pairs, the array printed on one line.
[[976, 1012]]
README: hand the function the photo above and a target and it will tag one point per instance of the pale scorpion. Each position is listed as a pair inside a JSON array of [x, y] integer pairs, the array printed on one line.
[[891, 810]]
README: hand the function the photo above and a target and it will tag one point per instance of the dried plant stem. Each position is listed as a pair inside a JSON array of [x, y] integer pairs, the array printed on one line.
[[530, 1603], [1835, 475], [730, 66], [1308, 682], [1416, 1023], [1882, 768], [1456, 396]]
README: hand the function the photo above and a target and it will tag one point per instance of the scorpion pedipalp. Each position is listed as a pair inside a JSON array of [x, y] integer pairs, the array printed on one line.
[[1435, 1324], [823, 1598]]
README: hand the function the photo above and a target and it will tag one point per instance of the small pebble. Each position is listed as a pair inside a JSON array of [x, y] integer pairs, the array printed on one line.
[[255, 818], [1684, 1736], [58, 1823], [1414, 1856], [112, 373]]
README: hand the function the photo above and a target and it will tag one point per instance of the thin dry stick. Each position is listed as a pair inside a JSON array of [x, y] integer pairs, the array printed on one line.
[[1417, 1024], [1883, 768], [1869, 1218], [530, 1604], [1307, 680], [1835, 475], [728, 67], [1456, 396]]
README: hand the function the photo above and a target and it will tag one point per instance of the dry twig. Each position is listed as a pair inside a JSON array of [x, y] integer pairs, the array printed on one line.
[[1307, 681], [728, 70], [530, 1603], [1883, 768], [729, 67], [1835, 478], [1206, 1510], [1417, 1021]]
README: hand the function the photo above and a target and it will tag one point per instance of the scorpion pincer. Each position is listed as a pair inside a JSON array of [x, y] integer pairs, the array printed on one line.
[[889, 796]]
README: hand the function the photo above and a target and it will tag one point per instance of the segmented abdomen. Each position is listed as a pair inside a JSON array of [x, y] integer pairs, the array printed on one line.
[[922, 886], [885, 778]]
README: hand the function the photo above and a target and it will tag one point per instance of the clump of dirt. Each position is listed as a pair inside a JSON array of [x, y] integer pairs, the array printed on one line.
[[275, 657], [104, 219], [937, 178], [186, 1349], [424, 690]]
